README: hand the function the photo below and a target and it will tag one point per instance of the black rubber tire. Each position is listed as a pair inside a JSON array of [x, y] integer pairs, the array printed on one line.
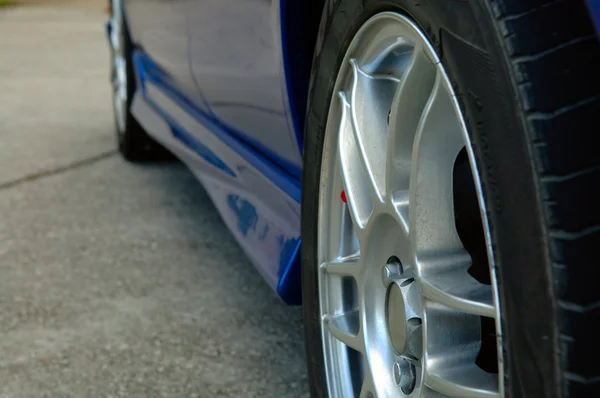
[[133, 142], [527, 77]]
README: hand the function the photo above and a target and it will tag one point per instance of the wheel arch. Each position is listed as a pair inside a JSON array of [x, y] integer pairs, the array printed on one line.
[[299, 27]]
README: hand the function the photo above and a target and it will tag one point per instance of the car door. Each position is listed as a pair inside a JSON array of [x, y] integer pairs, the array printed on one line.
[[237, 63], [158, 28]]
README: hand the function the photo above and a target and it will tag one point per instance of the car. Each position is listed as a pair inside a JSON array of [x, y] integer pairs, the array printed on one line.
[[421, 176]]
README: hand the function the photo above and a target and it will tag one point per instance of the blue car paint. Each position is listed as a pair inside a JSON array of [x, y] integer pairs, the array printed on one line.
[[594, 7], [271, 241], [240, 71]]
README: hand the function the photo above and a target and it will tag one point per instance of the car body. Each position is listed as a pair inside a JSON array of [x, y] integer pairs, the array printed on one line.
[[443, 182], [223, 85]]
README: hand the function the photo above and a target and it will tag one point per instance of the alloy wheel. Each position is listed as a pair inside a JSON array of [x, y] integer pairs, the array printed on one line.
[[402, 311]]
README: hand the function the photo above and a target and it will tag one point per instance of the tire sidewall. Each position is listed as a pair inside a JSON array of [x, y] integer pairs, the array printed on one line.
[[499, 138]]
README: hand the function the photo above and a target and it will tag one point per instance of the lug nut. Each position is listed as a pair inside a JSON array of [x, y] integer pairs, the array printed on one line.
[[405, 376], [392, 271], [397, 374]]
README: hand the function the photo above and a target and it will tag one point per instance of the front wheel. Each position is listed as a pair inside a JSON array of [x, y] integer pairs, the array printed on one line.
[[447, 220]]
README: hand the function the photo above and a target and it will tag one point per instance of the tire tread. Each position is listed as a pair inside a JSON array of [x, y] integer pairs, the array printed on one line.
[[557, 74]]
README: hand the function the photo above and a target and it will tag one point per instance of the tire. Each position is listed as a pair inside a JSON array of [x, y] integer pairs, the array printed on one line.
[[525, 73], [134, 143]]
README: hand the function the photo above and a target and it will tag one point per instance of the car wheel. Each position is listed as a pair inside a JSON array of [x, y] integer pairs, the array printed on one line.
[[448, 216], [133, 142]]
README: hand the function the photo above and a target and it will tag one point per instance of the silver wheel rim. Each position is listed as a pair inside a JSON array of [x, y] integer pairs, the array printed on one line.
[[401, 316], [119, 66]]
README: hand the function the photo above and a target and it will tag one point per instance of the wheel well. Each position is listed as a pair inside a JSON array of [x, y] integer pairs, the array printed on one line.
[[299, 27]]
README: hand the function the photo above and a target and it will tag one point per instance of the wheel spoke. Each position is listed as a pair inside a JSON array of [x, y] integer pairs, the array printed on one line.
[[336, 213], [459, 290], [406, 110], [438, 141], [368, 388], [464, 381], [345, 328], [341, 238], [356, 184], [370, 104], [450, 357], [343, 266], [428, 392]]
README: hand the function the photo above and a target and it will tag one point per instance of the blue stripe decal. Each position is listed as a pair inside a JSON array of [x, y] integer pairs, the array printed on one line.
[[148, 71], [200, 149]]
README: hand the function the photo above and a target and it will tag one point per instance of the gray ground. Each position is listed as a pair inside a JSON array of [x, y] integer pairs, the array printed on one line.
[[115, 279]]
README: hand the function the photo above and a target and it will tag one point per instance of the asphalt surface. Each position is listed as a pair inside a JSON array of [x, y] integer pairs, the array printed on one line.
[[115, 279]]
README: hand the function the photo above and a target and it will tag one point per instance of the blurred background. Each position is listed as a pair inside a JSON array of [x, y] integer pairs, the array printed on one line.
[[115, 279]]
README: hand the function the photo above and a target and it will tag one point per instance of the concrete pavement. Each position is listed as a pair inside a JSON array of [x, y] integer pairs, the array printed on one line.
[[115, 279]]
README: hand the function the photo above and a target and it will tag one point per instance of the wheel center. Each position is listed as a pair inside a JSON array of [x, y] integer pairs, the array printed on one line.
[[396, 317], [402, 310]]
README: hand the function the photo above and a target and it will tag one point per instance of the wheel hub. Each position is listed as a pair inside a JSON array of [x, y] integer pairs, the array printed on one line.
[[404, 333], [396, 318]]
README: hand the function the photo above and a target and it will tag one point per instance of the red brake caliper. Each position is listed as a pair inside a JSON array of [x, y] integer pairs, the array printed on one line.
[[343, 197]]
